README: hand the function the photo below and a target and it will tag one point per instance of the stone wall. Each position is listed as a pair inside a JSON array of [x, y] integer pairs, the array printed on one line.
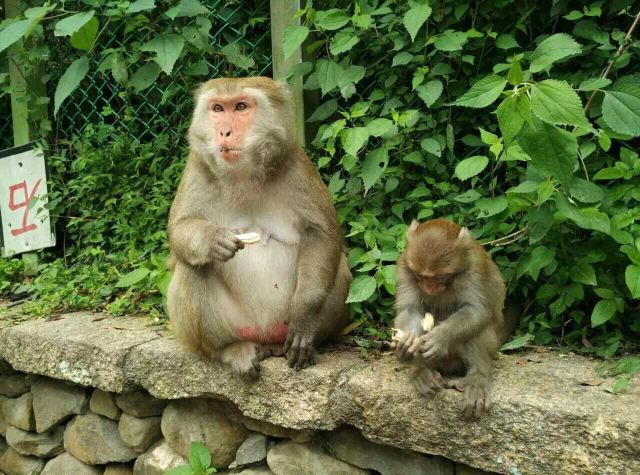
[[53, 427]]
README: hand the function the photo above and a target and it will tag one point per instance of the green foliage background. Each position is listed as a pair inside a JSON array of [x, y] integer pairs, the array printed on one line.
[[471, 111]]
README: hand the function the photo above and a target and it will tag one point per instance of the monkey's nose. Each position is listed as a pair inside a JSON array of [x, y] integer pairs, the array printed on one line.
[[225, 133]]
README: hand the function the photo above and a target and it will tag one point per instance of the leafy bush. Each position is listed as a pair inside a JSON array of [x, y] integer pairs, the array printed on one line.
[[474, 111]]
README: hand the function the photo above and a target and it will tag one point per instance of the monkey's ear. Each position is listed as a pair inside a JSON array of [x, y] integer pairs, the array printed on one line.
[[464, 234], [412, 228]]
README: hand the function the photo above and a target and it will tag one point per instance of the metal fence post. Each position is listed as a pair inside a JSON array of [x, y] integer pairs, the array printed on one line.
[[282, 13]]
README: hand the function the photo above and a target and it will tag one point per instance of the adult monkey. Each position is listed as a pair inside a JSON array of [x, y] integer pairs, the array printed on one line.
[[245, 173]]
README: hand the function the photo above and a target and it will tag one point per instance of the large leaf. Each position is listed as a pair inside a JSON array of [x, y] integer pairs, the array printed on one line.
[[584, 274], [517, 342], [586, 191], [141, 5], [471, 166], [552, 150], [381, 127], [539, 221], [187, 8], [482, 93], [167, 48], [603, 312], [552, 49], [133, 277], [69, 25], [362, 288], [354, 139], [234, 55], [621, 106], [145, 76], [430, 91], [324, 110], [199, 456], [632, 278], [373, 167], [84, 38], [292, 38], [13, 33], [586, 218], [415, 17], [343, 42], [328, 73], [555, 102], [69, 81], [331, 19], [119, 68], [450, 41], [491, 206], [510, 116]]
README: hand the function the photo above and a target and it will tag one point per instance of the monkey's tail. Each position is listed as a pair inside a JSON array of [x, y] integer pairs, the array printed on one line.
[[512, 312]]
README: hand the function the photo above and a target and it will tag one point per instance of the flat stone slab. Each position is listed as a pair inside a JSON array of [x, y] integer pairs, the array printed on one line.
[[545, 417]]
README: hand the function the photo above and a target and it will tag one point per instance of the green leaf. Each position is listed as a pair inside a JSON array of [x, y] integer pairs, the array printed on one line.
[[468, 196], [381, 127], [506, 41], [518, 342], [119, 68], [199, 456], [84, 38], [415, 17], [69, 81], [187, 8], [13, 33], [450, 41], [515, 76], [401, 59], [555, 102], [328, 73], [621, 107], [69, 25], [586, 218], [180, 470], [331, 19], [491, 206], [540, 258], [292, 38], [430, 91], [324, 110], [552, 150], [374, 166], [482, 93], [354, 139], [471, 167], [234, 55], [145, 76], [167, 48], [343, 42], [603, 312], [539, 222], [141, 5], [509, 118], [362, 287], [133, 277], [431, 146], [585, 191], [592, 84], [632, 278], [584, 274], [552, 49]]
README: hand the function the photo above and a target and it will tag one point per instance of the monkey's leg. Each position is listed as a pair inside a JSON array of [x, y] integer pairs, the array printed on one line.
[[243, 358], [477, 381], [427, 381], [332, 317]]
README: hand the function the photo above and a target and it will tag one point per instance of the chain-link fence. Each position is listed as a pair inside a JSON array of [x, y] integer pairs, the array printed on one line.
[[6, 127], [165, 106]]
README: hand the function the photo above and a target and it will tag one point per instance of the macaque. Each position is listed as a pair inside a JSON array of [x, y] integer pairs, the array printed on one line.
[[445, 273], [255, 240]]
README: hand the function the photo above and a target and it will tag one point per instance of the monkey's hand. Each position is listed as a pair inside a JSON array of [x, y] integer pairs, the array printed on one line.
[[298, 348], [434, 346], [225, 244], [407, 347]]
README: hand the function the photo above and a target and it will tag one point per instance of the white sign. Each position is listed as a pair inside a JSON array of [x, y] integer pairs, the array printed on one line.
[[23, 190]]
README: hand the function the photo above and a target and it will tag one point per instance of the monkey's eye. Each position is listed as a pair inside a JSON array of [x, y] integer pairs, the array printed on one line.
[[240, 106], [217, 108]]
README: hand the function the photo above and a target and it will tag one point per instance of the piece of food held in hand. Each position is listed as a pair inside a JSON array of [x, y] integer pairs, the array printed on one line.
[[255, 241], [449, 312]]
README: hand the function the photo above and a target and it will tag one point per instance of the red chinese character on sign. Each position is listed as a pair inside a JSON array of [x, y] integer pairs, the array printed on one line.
[[13, 206]]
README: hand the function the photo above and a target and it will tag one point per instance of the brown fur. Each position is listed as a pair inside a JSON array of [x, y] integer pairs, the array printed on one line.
[[296, 275], [468, 312]]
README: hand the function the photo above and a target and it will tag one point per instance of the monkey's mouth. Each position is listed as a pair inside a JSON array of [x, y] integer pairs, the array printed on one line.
[[229, 154]]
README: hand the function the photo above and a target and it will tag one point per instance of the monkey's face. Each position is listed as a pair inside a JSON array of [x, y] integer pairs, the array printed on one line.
[[433, 281], [231, 118]]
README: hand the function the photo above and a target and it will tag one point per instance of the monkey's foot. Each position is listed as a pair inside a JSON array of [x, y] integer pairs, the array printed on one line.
[[407, 347], [427, 381], [476, 400], [299, 351], [455, 383], [267, 351], [244, 358]]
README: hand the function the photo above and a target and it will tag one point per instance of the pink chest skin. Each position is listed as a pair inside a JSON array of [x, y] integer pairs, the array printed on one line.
[[277, 335]]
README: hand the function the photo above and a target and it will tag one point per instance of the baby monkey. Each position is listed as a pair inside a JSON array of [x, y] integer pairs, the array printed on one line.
[[446, 273]]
